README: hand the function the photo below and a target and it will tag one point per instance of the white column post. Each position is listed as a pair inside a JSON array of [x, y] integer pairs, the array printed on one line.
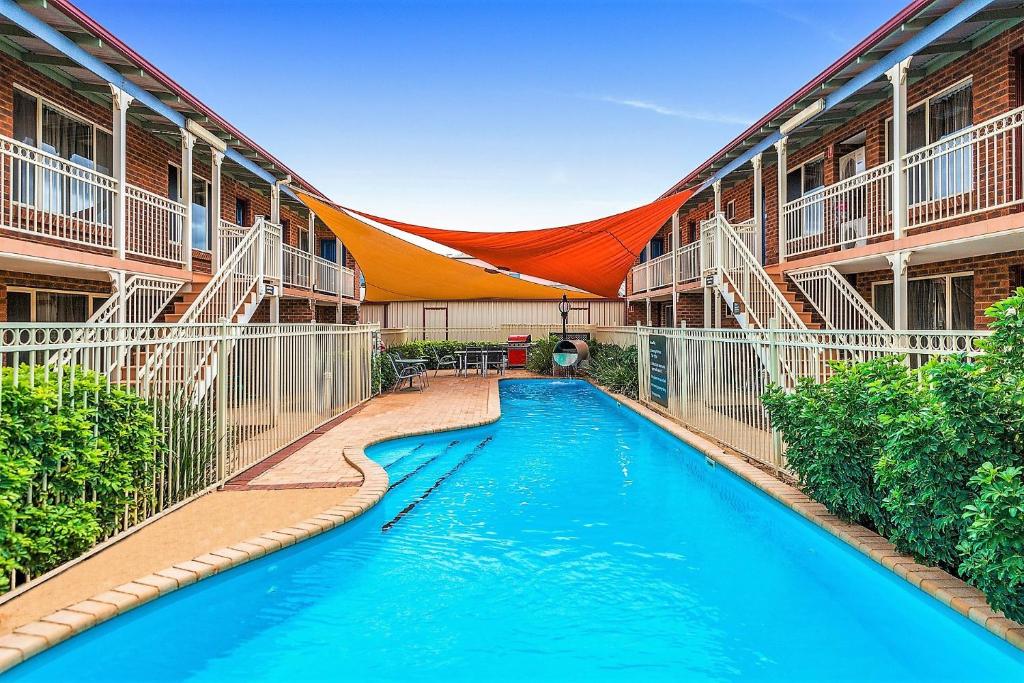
[[275, 206], [897, 76], [311, 234], [709, 298], [899, 260], [188, 143], [649, 322], [758, 207], [675, 269], [121, 101], [216, 162], [717, 187], [780, 149]]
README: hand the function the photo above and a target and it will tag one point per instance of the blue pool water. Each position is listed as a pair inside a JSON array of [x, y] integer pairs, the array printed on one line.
[[570, 540]]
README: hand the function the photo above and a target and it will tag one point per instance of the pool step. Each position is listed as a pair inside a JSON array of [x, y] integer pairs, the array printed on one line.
[[438, 483]]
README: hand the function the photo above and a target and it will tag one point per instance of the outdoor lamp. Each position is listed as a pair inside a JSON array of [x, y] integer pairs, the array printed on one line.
[[563, 308]]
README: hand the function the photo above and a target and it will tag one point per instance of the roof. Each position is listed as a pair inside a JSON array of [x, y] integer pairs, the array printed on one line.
[[916, 17]]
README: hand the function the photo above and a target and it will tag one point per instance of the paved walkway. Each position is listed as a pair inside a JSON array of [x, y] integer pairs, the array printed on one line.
[[309, 478]]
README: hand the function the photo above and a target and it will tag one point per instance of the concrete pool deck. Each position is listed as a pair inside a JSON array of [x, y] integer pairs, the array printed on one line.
[[325, 480]]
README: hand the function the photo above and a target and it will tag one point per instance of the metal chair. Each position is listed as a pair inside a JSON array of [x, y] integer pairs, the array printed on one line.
[[448, 361], [474, 359], [407, 372]]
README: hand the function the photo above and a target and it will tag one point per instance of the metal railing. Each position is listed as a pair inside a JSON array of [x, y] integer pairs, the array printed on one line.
[[846, 214], [688, 264], [298, 267], [228, 237], [44, 195], [657, 273], [838, 303], [973, 170], [272, 249], [741, 276], [348, 282], [326, 275], [275, 384], [153, 225], [746, 230], [716, 377]]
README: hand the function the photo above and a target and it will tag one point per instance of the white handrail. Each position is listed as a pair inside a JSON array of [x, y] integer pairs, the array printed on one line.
[[153, 224], [298, 267], [838, 303], [326, 275]]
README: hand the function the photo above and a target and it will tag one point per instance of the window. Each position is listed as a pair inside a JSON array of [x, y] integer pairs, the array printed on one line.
[[804, 180], [329, 249], [944, 302], [304, 239], [241, 211], [730, 210], [201, 214], [653, 250], [691, 232], [51, 306], [44, 125], [939, 119]]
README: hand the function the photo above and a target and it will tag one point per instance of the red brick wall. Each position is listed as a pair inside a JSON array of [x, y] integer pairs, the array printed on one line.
[[327, 314], [992, 278], [33, 281], [349, 315], [296, 311]]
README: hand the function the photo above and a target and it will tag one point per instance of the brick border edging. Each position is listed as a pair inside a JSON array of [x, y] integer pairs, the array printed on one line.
[[37, 636], [951, 591]]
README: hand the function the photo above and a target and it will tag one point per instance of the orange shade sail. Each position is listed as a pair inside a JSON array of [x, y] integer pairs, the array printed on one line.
[[397, 270], [594, 256]]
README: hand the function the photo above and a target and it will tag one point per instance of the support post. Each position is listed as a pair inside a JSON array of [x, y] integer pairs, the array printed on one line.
[[780, 149], [188, 143], [897, 76], [311, 240], [709, 297], [216, 162], [899, 260], [121, 101], [675, 269], [275, 206], [717, 187], [758, 208], [649, 322]]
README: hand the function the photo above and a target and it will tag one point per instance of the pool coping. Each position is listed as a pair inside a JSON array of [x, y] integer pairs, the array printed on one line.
[[949, 590], [37, 636]]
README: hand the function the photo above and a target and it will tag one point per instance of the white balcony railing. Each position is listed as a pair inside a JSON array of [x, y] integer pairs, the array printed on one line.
[[976, 169], [298, 267], [689, 262], [326, 275], [347, 278], [152, 225], [657, 273], [846, 214], [47, 196]]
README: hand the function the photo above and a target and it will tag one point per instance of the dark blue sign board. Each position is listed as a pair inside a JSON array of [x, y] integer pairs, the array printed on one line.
[[658, 362]]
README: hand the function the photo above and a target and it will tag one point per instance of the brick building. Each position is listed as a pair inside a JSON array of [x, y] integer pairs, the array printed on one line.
[[125, 197], [913, 225]]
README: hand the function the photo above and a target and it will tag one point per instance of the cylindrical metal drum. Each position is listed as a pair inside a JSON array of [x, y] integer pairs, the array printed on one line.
[[569, 353]]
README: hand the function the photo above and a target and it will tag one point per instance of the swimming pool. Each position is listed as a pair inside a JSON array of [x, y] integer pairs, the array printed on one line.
[[572, 539]]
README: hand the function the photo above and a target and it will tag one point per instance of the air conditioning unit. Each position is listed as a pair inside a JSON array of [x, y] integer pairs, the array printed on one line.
[[854, 233]]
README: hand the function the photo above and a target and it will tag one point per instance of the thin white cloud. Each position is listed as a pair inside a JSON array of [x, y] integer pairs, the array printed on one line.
[[712, 117], [821, 28]]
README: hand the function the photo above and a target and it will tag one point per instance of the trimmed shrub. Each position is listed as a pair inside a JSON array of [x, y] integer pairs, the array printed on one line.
[[835, 433], [615, 367], [77, 458], [540, 358], [993, 542]]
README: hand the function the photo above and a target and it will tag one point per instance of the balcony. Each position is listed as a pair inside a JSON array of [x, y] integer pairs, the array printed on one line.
[[303, 270], [657, 273], [973, 171]]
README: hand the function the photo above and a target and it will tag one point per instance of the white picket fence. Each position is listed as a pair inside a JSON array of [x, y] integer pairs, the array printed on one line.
[[270, 385]]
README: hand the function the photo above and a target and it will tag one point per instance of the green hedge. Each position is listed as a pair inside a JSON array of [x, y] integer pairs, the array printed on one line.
[[931, 457], [76, 457]]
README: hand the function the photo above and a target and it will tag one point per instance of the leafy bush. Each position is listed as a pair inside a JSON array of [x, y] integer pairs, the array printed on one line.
[[382, 373], [993, 542], [835, 433], [540, 358], [615, 367], [76, 458]]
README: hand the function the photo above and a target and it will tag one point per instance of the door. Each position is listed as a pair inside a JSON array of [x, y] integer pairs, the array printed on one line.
[[435, 322], [852, 205]]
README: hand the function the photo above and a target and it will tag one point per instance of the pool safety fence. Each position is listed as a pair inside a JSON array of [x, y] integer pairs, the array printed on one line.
[[223, 396], [712, 380], [621, 336]]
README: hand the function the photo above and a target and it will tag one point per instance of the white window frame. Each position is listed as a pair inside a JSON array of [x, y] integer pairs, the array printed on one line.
[[40, 100], [212, 234], [948, 277], [730, 210], [32, 291]]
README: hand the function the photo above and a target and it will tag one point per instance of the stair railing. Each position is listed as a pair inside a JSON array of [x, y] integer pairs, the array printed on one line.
[[838, 303]]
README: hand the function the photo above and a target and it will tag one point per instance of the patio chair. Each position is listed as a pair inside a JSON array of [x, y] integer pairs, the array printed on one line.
[[444, 362], [474, 359], [407, 372], [497, 358]]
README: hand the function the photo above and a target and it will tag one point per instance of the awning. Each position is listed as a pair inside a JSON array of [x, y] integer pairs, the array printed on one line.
[[397, 270], [594, 256]]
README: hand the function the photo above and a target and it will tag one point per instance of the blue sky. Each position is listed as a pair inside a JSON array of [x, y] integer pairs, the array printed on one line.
[[492, 114]]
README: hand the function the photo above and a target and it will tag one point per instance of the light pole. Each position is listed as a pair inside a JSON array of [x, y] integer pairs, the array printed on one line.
[[563, 308]]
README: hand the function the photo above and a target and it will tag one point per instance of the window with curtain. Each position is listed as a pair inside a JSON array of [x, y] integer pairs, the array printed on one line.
[[814, 213], [962, 302], [329, 249], [23, 177], [60, 307], [932, 303], [952, 167]]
